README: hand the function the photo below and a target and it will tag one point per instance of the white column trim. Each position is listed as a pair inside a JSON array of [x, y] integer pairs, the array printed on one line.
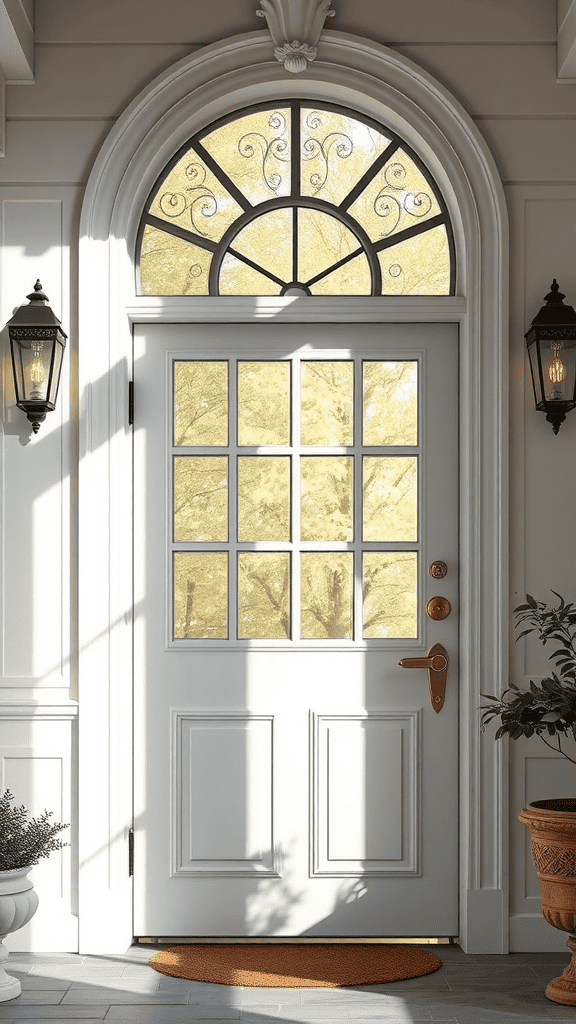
[[212, 82]]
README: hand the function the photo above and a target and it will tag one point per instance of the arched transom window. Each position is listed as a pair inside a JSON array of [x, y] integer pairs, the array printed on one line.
[[295, 199]]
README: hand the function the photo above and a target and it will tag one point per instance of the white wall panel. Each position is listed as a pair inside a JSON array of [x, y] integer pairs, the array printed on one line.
[[149, 21], [550, 251], [65, 76], [222, 795], [542, 499], [532, 150], [365, 813], [51, 151], [36, 765], [36, 609], [503, 80]]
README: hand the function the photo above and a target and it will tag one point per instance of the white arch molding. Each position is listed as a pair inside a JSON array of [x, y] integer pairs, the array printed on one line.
[[214, 81]]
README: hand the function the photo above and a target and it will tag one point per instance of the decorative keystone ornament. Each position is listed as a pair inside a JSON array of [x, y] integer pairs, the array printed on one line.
[[37, 342], [295, 27]]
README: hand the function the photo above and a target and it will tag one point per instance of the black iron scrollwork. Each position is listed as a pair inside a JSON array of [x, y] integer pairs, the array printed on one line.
[[201, 199], [277, 149], [394, 199], [314, 149]]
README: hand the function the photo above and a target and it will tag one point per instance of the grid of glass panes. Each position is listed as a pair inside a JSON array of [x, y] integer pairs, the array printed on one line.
[[295, 499]]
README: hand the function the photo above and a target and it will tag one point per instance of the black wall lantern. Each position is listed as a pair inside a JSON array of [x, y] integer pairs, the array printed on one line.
[[551, 344], [37, 342]]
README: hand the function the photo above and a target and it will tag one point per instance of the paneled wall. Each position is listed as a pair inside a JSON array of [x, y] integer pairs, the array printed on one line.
[[499, 60]]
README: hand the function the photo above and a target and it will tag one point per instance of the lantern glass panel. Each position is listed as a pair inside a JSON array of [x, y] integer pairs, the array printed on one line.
[[19, 376], [56, 367], [558, 368]]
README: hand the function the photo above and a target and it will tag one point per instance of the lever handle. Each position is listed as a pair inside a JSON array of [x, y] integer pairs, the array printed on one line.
[[437, 665]]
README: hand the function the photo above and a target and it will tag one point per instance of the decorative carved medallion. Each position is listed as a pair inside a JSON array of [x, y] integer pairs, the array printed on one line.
[[295, 27]]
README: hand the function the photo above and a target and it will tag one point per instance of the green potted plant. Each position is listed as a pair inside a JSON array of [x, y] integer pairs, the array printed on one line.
[[548, 710], [23, 842]]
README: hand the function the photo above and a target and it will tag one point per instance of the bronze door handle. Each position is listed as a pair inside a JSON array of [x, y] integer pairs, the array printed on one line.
[[437, 665]]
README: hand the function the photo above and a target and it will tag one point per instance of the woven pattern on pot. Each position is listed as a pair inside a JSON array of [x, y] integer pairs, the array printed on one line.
[[554, 860]]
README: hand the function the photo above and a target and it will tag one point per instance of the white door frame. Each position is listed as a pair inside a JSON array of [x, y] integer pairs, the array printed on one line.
[[213, 81]]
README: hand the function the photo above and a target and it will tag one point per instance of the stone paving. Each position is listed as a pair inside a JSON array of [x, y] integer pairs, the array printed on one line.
[[468, 989]]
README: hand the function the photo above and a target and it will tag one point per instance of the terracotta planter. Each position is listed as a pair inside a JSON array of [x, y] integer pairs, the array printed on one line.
[[552, 824], [18, 903]]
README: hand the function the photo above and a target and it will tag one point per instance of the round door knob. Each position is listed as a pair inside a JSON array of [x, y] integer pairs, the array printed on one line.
[[438, 608]]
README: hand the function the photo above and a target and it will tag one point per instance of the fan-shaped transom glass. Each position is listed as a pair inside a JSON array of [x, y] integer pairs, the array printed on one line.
[[295, 200]]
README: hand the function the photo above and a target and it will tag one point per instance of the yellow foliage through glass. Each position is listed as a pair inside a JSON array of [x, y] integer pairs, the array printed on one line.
[[263, 498], [200, 403], [389, 490], [389, 588], [326, 589], [254, 151], [263, 403], [327, 403], [263, 595], [326, 497], [390, 403], [200, 595], [201, 498]]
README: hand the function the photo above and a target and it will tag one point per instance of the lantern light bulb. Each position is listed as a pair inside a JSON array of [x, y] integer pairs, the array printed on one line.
[[37, 373], [556, 374]]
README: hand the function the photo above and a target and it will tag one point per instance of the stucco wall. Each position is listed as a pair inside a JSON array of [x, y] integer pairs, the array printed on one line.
[[499, 60]]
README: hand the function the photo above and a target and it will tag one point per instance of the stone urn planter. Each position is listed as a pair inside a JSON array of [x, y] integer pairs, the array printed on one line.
[[18, 903], [552, 824]]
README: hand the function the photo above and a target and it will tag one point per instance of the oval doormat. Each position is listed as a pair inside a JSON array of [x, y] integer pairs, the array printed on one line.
[[290, 966]]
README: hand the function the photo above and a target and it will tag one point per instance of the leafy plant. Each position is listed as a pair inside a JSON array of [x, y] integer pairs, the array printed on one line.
[[547, 709], [25, 840]]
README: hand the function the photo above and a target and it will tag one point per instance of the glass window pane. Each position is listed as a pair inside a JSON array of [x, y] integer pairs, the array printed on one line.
[[264, 595], [389, 493], [354, 278], [398, 197], [390, 403], [389, 587], [327, 403], [323, 240], [326, 595], [192, 197], [200, 498], [200, 594], [171, 266], [336, 151], [263, 403], [263, 498], [254, 151], [237, 278], [326, 497], [267, 241], [200, 403], [417, 266]]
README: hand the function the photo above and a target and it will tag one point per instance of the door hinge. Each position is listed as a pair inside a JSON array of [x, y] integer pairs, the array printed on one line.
[[130, 402], [130, 852]]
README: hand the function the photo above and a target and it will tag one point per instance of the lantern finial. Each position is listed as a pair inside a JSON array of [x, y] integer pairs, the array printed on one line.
[[37, 295]]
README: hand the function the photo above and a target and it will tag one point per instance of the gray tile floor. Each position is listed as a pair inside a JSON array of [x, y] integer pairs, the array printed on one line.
[[469, 989]]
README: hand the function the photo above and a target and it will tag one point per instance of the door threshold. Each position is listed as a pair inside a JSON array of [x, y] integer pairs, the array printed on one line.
[[175, 940]]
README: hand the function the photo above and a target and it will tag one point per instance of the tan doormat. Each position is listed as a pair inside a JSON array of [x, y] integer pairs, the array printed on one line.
[[291, 966]]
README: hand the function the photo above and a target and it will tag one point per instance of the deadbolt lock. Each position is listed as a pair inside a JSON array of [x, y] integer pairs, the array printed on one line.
[[438, 608]]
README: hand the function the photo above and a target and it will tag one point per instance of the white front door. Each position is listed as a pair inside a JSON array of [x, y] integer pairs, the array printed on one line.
[[293, 485]]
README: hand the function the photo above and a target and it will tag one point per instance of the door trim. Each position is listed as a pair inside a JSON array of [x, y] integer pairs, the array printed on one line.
[[201, 87]]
